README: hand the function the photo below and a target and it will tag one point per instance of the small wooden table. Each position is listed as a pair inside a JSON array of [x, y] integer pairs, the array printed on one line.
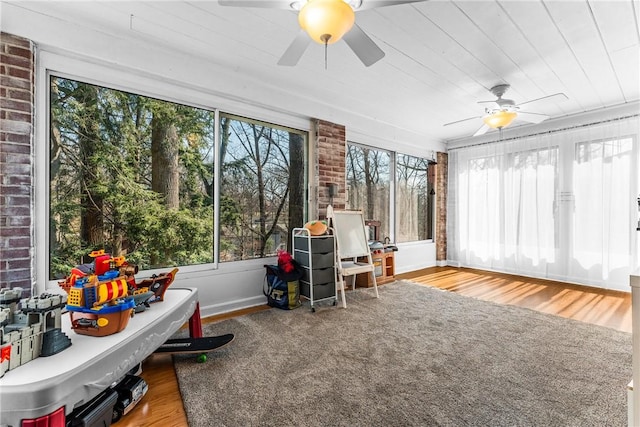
[[384, 269]]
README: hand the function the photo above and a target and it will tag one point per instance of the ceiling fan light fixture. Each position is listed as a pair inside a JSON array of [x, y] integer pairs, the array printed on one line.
[[499, 119], [326, 21]]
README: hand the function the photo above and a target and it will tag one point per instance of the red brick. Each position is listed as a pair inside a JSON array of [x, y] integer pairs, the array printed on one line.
[[22, 168], [21, 51], [11, 40], [19, 180], [16, 61], [19, 276], [19, 264], [13, 232], [14, 82], [19, 221], [7, 253], [331, 143], [18, 72], [10, 104], [21, 95], [15, 190], [17, 116], [19, 200], [441, 207], [16, 138], [15, 210], [19, 242]]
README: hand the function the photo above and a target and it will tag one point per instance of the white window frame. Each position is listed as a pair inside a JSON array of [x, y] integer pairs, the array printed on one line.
[[392, 190]]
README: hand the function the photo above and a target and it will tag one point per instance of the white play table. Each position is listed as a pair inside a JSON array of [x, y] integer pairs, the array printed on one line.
[[92, 364]]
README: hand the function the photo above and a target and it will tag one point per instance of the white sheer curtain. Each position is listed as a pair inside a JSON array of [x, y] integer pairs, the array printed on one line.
[[560, 205]]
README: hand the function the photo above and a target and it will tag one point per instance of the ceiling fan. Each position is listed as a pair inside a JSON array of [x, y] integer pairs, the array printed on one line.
[[326, 22], [501, 112]]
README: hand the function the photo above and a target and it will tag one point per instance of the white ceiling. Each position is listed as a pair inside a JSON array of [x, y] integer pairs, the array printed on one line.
[[442, 57]]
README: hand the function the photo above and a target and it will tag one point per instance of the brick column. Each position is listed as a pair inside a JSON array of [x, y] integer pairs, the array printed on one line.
[[441, 206], [17, 101], [332, 148]]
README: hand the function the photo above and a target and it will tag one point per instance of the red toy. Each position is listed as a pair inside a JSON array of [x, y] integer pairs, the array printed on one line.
[[285, 261]]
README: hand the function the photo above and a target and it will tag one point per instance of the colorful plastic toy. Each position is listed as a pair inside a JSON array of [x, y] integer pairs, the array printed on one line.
[[103, 294], [29, 328]]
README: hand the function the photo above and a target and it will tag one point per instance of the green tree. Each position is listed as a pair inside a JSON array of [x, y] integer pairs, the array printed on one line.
[[102, 184], [136, 176]]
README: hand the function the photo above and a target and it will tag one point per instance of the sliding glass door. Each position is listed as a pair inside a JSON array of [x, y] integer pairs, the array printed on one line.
[[560, 205]]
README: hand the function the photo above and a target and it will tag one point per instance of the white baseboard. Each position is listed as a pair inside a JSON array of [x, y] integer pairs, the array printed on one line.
[[228, 307]]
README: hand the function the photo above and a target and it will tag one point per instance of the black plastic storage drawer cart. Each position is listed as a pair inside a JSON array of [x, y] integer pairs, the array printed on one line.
[[316, 256]]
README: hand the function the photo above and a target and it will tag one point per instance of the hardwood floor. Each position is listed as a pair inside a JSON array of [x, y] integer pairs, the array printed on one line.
[[588, 304], [162, 405]]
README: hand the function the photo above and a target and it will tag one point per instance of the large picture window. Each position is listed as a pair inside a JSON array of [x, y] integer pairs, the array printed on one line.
[[135, 176], [386, 185], [369, 184], [262, 192], [414, 199]]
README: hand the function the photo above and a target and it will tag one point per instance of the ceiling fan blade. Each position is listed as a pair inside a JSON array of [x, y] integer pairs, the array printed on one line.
[[482, 130], [294, 52], [532, 117], [270, 4], [362, 45], [561, 97], [370, 4], [463, 120]]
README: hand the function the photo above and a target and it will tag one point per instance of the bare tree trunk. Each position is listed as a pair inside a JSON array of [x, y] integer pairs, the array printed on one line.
[[369, 185], [261, 200], [296, 185], [225, 123], [92, 220], [117, 239], [54, 169], [138, 133], [165, 177]]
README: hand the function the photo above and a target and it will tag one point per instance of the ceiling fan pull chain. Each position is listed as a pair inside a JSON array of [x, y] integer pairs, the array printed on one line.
[[325, 38], [325, 56]]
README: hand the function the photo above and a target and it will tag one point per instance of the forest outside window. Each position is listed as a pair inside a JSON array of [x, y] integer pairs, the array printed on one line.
[[135, 176], [414, 199], [370, 174], [262, 189], [369, 184]]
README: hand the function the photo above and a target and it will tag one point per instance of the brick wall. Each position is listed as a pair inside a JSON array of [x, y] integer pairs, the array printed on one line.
[[441, 206], [17, 87], [331, 143]]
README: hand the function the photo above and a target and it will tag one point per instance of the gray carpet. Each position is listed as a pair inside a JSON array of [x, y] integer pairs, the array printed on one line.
[[417, 356]]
